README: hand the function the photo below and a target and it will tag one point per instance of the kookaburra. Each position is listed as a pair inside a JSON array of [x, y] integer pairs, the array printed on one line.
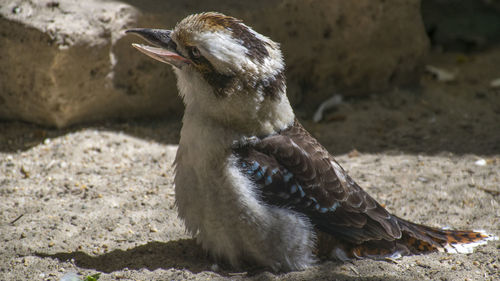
[[251, 183]]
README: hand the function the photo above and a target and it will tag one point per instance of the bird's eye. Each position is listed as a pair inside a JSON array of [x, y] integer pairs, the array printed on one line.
[[194, 52]]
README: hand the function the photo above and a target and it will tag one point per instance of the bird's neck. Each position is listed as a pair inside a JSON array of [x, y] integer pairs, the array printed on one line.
[[272, 117], [244, 113]]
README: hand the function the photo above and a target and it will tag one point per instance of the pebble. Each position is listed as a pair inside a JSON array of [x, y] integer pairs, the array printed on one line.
[[440, 74], [480, 162], [70, 276]]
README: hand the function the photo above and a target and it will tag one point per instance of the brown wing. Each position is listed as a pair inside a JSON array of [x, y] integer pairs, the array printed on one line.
[[293, 170]]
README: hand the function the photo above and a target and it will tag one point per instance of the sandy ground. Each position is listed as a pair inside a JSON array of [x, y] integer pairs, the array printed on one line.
[[100, 197]]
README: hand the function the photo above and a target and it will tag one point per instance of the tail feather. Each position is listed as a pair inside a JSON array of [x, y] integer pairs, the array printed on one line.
[[415, 239], [474, 238], [421, 239]]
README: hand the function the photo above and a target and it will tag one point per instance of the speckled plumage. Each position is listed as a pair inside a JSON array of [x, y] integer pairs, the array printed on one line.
[[251, 183]]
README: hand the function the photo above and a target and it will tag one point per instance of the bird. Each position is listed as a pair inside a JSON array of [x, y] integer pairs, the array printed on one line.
[[251, 183]]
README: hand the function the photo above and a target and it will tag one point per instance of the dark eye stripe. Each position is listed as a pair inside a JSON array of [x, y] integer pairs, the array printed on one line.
[[217, 80], [273, 86]]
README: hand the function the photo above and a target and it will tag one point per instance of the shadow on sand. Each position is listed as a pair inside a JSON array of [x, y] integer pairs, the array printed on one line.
[[179, 254], [184, 254]]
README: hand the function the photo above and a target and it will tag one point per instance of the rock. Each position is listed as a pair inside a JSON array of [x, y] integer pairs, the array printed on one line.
[[62, 62], [68, 61], [349, 47]]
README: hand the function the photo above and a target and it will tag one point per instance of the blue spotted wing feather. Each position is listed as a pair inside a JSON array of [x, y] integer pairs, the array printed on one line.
[[293, 170]]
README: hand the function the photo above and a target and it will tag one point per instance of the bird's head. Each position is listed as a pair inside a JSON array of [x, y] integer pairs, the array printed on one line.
[[226, 71]]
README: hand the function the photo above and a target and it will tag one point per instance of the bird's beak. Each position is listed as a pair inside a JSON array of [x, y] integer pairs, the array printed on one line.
[[165, 50]]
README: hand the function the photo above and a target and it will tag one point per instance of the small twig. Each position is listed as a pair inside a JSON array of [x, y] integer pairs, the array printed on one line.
[[351, 267], [490, 191], [237, 273], [16, 219], [423, 265], [391, 260]]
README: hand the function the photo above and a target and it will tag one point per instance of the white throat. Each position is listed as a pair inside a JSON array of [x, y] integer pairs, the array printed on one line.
[[246, 113]]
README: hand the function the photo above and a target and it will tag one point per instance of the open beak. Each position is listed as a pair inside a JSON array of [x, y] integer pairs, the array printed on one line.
[[165, 50]]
